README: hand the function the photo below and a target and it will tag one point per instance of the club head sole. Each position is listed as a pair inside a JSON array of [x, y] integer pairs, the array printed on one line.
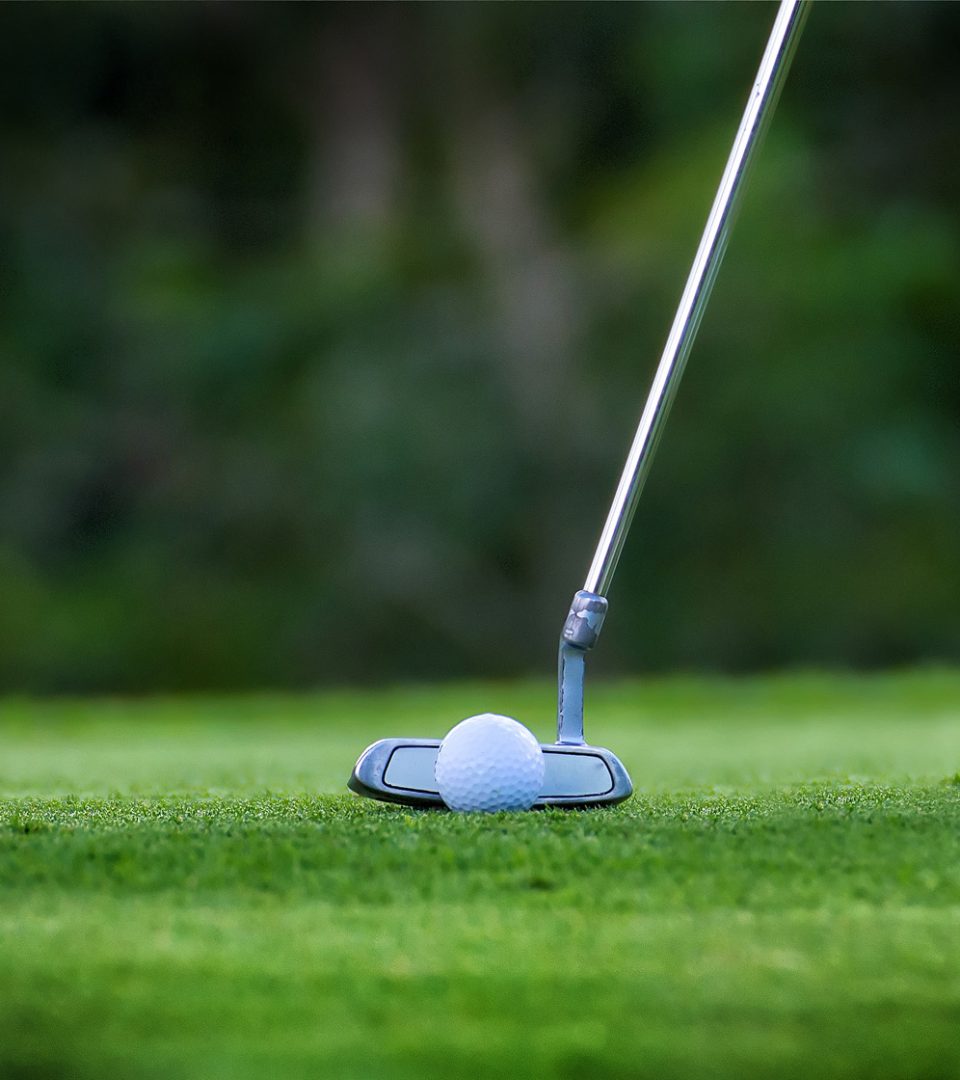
[[402, 771]]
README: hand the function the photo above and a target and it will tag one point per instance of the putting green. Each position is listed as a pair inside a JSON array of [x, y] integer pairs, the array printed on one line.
[[185, 891]]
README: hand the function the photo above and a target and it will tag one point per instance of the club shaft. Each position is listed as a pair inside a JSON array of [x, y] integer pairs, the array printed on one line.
[[696, 294]]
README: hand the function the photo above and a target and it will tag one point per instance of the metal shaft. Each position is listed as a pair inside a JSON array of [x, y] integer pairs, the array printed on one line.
[[693, 302]]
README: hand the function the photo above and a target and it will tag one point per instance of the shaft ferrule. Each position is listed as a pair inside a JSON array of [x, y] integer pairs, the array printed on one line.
[[584, 620]]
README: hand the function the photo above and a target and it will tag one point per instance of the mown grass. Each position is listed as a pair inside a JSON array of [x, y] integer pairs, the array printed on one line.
[[184, 891]]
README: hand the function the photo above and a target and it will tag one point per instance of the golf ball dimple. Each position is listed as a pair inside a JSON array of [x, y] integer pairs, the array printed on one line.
[[488, 763]]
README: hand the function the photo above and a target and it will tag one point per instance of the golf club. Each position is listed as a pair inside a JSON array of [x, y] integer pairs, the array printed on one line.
[[576, 774]]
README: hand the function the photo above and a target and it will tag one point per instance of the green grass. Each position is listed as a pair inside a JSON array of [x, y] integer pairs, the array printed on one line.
[[186, 893]]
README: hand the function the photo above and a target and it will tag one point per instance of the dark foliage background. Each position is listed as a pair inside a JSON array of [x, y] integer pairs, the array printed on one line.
[[324, 329]]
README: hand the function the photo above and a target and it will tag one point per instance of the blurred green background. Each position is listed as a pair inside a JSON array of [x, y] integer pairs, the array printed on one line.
[[324, 330]]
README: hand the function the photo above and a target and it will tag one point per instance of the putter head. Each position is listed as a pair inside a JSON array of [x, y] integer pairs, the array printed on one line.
[[402, 771]]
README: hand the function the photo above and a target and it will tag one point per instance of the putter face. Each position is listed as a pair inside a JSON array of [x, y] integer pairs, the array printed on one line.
[[402, 771]]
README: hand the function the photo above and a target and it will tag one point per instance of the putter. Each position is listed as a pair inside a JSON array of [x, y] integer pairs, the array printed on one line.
[[577, 774]]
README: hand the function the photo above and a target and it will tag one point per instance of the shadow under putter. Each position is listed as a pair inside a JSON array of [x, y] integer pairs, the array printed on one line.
[[576, 774]]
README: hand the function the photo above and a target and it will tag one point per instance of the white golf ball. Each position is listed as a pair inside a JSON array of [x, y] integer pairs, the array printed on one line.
[[489, 763]]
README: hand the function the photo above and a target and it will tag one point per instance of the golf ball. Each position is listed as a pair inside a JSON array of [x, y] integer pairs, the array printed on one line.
[[489, 763]]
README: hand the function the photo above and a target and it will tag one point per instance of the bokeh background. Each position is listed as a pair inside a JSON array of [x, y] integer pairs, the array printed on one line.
[[324, 330]]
